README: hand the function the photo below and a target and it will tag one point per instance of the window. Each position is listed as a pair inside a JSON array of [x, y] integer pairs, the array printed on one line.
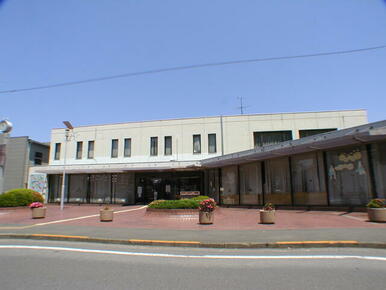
[[127, 148], [348, 176], [277, 181], [212, 143], [307, 185], [196, 144], [306, 133], [38, 155], [57, 151], [79, 150], [90, 150], [114, 148], [153, 146], [168, 145], [271, 138], [38, 158]]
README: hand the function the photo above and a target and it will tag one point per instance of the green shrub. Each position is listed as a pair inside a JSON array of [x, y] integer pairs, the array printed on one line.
[[377, 203], [200, 198], [19, 197], [191, 203]]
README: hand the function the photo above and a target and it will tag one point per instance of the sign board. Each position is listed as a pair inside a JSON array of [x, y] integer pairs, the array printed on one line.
[[38, 182], [189, 194]]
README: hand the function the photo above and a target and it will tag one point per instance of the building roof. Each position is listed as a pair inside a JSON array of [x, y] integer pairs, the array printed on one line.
[[219, 116], [350, 136]]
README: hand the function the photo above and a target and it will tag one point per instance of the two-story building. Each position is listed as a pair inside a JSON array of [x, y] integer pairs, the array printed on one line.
[[137, 162]]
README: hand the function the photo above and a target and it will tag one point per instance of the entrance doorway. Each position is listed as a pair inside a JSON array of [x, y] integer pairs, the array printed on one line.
[[166, 185]]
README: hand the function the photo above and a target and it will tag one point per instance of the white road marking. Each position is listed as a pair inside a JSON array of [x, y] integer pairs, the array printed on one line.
[[163, 255], [68, 220], [354, 218], [358, 219]]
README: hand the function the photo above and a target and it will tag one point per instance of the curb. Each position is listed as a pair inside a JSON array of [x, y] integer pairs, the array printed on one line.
[[196, 244]]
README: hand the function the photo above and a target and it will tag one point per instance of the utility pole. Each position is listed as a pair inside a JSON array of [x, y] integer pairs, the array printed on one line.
[[67, 138]]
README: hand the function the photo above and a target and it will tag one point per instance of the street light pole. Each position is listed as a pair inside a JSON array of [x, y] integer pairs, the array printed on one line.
[[5, 129], [67, 138]]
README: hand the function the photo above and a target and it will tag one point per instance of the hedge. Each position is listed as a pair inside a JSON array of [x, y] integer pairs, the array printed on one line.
[[191, 203], [19, 197]]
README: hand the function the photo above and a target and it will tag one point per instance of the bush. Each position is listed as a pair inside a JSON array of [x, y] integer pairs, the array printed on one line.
[[377, 203], [200, 198], [20, 197], [191, 203]]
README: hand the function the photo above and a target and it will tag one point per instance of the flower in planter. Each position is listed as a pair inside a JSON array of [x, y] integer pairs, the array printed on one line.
[[36, 205], [269, 206], [377, 203], [207, 205]]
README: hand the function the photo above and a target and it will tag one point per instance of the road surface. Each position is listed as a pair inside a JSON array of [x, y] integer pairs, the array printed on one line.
[[28, 264]]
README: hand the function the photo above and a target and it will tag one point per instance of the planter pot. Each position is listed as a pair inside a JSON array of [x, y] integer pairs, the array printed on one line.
[[377, 214], [39, 212], [106, 215], [206, 218], [267, 216]]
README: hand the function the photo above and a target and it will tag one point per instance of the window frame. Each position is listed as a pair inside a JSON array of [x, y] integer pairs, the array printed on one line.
[[114, 154], [267, 133], [58, 149], [89, 155], [154, 149], [171, 145], [127, 147], [199, 139], [79, 150], [214, 136]]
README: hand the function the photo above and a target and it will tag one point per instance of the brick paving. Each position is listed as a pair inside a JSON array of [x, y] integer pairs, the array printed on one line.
[[225, 219]]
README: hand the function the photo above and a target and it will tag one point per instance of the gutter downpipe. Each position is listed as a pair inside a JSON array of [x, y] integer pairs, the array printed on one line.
[[222, 135]]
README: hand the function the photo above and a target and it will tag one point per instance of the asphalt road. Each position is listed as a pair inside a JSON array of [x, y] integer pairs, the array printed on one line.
[[28, 264]]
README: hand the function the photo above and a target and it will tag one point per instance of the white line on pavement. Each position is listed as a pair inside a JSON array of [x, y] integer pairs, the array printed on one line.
[[66, 220], [83, 217], [163, 255]]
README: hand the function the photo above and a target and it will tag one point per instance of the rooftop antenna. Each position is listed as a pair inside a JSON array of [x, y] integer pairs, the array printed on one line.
[[242, 107]]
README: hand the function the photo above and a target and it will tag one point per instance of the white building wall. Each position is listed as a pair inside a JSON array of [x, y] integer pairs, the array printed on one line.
[[238, 135]]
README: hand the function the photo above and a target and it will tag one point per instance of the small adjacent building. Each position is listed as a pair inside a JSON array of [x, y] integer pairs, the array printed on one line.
[[238, 160], [21, 153]]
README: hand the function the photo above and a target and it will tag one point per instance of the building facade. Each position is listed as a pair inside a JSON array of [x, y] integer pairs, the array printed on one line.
[[21, 153], [138, 162], [346, 167]]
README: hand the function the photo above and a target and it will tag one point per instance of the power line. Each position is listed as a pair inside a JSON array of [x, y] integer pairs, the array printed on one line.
[[187, 67]]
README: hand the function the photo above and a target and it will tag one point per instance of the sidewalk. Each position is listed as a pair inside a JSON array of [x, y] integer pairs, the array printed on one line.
[[232, 226]]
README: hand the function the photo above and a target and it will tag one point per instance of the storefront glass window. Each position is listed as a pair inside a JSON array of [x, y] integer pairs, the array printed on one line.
[[213, 184], [54, 185], [306, 180], [229, 194], [78, 188], [250, 184], [122, 186], [378, 154], [277, 177], [100, 188], [348, 176]]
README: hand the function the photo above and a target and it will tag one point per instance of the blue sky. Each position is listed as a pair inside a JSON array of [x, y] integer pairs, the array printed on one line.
[[50, 41]]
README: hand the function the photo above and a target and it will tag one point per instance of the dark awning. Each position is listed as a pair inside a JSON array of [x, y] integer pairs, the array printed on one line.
[[345, 137]]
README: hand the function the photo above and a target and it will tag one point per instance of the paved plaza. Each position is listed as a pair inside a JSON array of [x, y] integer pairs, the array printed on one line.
[[232, 225]]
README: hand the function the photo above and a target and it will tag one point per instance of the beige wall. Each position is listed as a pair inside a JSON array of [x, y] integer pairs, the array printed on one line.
[[238, 135]]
